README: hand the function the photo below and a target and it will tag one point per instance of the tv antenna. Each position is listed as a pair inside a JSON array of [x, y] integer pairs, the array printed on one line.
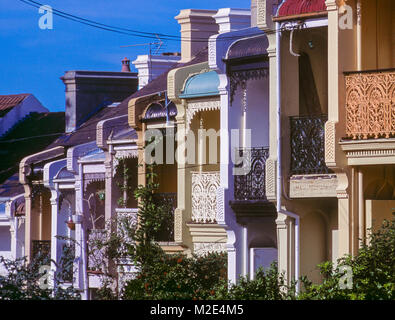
[[157, 45]]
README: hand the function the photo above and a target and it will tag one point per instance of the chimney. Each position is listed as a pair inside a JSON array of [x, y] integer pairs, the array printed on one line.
[[232, 19], [196, 27], [89, 91], [149, 67], [254, 13], [125, 65]]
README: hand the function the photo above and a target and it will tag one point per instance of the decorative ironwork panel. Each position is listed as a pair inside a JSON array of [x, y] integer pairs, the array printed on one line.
[[308, 145], [251, 186], [66, 263], [204, 196], [96, 250], [41, 249], [370, 105], [168, 201]]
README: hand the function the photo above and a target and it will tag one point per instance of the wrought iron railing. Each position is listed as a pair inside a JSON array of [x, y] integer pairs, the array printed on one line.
[[41, 249], [96, 250], [308, 144], [168, 201], [370, 104], [204, 196], [251, 184], [66, 263]]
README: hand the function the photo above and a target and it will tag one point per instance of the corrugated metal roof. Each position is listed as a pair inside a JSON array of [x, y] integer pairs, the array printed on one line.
[[249, 47], [157, 111], [7, 102], [201, 85], [298, 7]]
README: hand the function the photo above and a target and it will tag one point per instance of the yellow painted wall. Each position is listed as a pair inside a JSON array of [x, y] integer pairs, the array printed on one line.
[[318, 55], [377, 211], [313, 245], [378, 34]]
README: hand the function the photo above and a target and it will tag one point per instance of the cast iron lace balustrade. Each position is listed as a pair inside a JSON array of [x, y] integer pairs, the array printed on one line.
[[41, 249], [96, 251], [65, 272], [308, 145], [370, 104], [204, 196], [169, 201], [251, 186]]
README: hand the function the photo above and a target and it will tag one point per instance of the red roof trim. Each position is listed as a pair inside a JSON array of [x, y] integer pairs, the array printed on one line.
[[297, 7]]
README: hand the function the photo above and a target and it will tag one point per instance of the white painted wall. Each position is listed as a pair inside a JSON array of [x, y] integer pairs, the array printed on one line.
[[5, 246]]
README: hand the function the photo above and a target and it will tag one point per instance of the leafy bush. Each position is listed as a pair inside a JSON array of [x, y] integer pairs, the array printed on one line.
[[24, 282], [178, 277], [267, 285]]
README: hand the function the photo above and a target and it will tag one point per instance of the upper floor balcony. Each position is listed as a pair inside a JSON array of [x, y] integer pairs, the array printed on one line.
[[308, 145], [309, 175], [370, 104], [370, 117], [204, 196], [250, 201], [251, 186]]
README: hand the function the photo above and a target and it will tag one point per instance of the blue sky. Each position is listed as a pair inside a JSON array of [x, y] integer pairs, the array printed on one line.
[[32, 60]]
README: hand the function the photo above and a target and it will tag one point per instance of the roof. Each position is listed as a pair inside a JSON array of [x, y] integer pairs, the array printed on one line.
[[300, 7], [29, 136], [87, 131], [11, 187], [158, 111], [248, 47], [7, 102], [201, 85]]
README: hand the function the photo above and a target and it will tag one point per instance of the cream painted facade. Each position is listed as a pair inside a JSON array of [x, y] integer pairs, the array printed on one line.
[[198, 174]]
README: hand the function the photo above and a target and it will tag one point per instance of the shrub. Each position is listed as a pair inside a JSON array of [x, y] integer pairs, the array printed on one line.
[[178, 277], [24, 282]]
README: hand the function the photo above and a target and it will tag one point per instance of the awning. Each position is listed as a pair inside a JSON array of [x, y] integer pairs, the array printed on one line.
[[248, 48], [157, 111], [201, 85], [301, 7]]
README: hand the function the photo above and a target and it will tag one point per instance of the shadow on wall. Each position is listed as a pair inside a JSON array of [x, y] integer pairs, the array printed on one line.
[[5, 239], [313, 244]]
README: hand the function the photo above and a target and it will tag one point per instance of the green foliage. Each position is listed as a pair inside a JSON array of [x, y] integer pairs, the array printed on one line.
[[267, 285], [25, 282], [178, 277]]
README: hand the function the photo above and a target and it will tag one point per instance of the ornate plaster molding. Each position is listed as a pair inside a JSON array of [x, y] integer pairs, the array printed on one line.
[[202, 248], [270, 182], [330, 143], [313, 186]]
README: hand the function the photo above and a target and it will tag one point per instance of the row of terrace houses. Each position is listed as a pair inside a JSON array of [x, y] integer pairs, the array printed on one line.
[[278, 125]]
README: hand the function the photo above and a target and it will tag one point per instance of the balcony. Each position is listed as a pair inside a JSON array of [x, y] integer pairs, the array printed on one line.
[[204, 196], [251, 186], [250, 203], [370, 104], [308, 145]]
